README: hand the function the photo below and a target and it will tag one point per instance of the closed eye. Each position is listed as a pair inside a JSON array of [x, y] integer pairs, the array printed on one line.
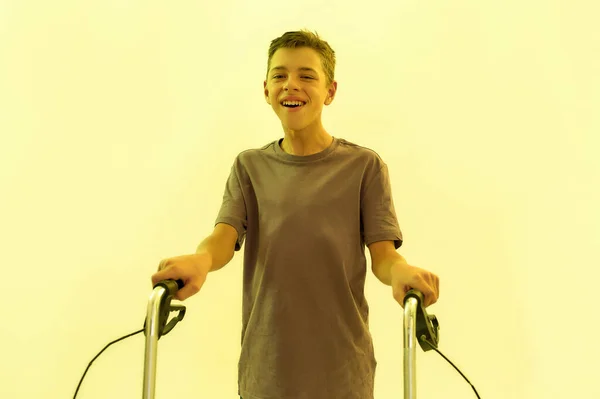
[[279, 76]]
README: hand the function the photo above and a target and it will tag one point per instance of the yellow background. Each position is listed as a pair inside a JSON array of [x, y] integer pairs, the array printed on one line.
[[119, 121]]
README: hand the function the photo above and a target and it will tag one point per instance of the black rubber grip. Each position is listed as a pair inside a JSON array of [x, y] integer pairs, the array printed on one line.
[[172, 286]]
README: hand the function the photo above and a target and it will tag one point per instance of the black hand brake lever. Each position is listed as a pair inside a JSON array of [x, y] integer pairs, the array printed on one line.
[[171, 287]]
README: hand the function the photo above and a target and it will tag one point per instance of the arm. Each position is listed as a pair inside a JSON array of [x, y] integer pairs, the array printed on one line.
[[219, 247], [383, 257], [392, 269], [214, 252]]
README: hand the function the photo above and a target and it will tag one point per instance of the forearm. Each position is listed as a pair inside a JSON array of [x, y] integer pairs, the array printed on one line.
[[219, 254], [382, 269]]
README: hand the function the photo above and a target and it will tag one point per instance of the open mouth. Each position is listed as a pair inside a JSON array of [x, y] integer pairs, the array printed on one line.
[[293, 105]]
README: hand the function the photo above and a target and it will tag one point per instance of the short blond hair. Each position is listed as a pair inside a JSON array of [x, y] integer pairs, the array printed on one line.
[[305, 38]]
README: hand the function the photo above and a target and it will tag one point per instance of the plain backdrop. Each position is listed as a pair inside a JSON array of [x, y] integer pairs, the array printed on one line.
[[120, 120]]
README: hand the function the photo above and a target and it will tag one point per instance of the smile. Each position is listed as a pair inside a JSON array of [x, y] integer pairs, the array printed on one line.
[[293, 106]]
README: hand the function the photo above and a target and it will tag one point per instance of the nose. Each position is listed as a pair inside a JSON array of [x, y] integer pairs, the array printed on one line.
[[290, 83]]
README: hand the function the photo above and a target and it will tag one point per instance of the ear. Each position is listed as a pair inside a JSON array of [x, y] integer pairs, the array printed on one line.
[[266, 92], [331, 93]]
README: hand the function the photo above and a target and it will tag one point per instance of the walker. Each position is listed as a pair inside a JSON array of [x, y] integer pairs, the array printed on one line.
[[158, 309], [418, 326]]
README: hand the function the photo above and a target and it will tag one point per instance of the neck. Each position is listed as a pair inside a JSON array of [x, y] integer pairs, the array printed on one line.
[[303, 144]]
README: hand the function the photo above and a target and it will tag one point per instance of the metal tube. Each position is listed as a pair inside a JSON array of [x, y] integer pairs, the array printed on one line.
[[410, 348], [152, 341]]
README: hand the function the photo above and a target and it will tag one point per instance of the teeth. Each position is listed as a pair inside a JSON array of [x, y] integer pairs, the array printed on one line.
[[293, 103]]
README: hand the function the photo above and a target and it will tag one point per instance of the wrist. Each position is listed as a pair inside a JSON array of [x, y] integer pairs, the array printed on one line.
[[204, 261], [399, 268]]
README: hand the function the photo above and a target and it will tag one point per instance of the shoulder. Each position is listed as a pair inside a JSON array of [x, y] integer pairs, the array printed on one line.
[[246, 156], [366, 155]]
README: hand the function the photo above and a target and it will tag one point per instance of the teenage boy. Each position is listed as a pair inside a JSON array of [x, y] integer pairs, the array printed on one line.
[[306, 206]]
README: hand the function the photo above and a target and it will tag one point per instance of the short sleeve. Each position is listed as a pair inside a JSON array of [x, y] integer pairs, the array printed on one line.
[[233, 208], [378, 215]]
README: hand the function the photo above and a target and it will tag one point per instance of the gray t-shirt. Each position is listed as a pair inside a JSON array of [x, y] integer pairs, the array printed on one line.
[[306, 221]]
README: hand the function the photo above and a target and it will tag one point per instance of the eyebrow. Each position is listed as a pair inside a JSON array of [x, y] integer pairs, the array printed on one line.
[[301, 68]]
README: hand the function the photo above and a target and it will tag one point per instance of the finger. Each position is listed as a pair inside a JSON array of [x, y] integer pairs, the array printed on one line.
[[423, 284], [163, 264], [165, 274], [156, 277], [433, 289], [401, 296], [436, 288], [430, 295], [427, 300], [189, 288]]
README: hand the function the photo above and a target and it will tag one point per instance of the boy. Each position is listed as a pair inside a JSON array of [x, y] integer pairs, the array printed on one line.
[[307, 206]]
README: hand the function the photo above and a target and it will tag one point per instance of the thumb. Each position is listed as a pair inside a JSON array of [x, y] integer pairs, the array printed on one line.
[[169, 273]]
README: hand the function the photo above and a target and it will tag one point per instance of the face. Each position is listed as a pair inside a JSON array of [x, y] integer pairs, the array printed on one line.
[[297, 72]]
